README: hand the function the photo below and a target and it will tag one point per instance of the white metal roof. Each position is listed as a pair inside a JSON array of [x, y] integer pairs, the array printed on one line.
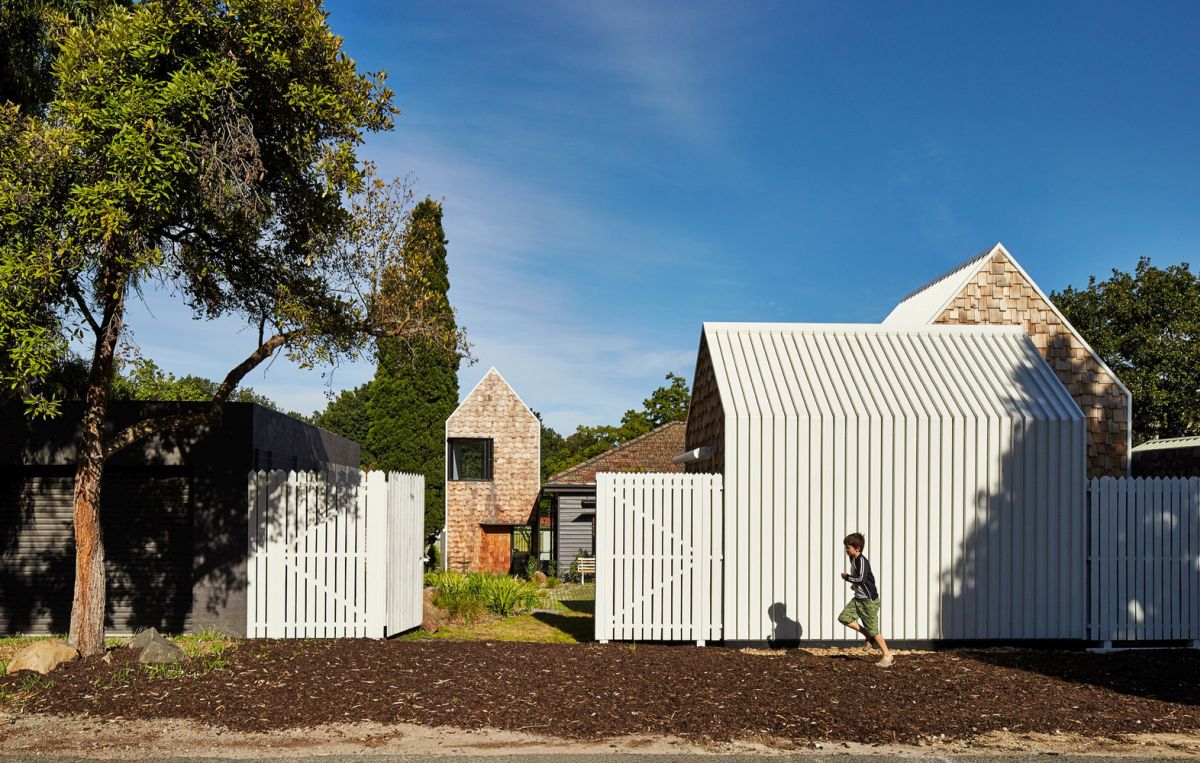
[[801, 370], [925, 303], [1168, 444]]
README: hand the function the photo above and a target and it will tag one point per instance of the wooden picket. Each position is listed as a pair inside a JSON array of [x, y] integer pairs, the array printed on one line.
[[336, 553], [658, 557], [1144, 560]]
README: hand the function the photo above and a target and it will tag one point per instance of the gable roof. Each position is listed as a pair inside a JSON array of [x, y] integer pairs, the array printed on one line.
[[492, 373], [651, 452], [813, 370], [927, 303]]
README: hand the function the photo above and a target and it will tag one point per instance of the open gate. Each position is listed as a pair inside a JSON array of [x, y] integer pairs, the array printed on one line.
[[658, 557], [335, 553]]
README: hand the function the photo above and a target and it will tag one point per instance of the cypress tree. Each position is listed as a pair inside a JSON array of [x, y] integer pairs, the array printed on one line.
[[416, 383]]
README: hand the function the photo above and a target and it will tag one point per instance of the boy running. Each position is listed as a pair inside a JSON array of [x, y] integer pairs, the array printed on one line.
[[865, 603]]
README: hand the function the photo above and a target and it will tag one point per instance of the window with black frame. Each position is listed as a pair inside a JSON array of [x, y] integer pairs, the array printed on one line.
[[469, 459]]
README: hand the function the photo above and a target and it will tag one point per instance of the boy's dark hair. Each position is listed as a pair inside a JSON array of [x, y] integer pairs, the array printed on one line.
[[856, 540]]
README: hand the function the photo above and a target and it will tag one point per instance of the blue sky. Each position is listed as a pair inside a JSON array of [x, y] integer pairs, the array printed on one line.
[[615, 173]]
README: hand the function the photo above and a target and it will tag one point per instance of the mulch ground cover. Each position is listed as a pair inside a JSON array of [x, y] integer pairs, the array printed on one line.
[[593, 691]]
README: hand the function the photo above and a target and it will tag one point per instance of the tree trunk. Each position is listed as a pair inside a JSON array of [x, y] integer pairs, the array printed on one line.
[[88, 606]]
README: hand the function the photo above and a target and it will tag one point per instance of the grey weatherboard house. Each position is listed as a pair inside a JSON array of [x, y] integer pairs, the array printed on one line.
[[173, 513]]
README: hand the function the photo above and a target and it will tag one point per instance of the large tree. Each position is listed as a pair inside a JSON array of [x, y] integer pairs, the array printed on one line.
[[1146, 326], [206, 148], [349, 415], [416, 382]]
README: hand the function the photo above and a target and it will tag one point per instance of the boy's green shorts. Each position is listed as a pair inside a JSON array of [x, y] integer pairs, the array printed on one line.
[[866, 610]]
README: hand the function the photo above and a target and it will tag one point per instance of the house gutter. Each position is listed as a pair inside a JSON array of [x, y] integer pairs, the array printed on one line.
[[696, 454]]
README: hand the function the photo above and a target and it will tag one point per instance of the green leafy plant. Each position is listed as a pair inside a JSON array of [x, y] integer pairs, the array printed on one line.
[[501, 595], [553, 582]]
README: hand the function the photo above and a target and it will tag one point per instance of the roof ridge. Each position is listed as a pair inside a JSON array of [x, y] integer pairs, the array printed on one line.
[[618, 446], [952, 271]]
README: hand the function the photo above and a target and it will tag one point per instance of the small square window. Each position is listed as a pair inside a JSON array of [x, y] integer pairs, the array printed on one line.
[[470, 459]]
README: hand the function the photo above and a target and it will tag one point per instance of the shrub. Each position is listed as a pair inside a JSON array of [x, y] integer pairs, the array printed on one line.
[[460, 605], [499, 594], [553, 582]]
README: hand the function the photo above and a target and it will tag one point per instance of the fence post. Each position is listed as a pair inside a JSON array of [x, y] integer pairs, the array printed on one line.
[[376, 486], [700, 560], [601, 616]]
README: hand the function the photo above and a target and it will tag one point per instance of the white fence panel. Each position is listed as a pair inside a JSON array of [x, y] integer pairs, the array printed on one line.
[[1145, 559], [405, 547], [334, 553], [658, 557]]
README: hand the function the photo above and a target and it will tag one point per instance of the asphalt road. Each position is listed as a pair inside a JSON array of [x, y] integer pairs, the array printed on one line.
[[815, 757]]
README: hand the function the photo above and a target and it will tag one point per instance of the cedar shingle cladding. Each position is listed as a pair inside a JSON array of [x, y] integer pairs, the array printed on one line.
[[1000, 293], [706, 416], [651, 452], [492, 410]]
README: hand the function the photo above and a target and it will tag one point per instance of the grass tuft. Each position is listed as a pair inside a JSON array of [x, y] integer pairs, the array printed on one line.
[[472, 593]]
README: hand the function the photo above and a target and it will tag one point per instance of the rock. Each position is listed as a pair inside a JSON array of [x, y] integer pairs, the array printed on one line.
[[143, 639], [107, 658], [42, 657], [430, 615], [161, 652]]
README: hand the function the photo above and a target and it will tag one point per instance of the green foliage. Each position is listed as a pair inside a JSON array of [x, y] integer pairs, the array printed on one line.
[[461, 605], [349, 415], [665, 404], [553, 582], [27, 49], [499, 594], [531, 567], [146, 381], [416, 382], [210, 147], [1146, 326]]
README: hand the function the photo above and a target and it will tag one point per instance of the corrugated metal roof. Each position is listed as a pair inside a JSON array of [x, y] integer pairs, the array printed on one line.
[[925, 303], [1168, 444], [799, 370]]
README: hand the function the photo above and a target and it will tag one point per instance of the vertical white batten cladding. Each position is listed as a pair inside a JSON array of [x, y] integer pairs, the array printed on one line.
[[955, 450], [658, 558], [335, 553], [1144, 575]]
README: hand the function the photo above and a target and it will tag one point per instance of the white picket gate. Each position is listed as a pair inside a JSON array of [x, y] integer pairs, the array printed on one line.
[[335, 553], [658, 557], [1145, 559]]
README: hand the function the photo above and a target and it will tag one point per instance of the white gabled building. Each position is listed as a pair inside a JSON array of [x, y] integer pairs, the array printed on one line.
[[956, 451]]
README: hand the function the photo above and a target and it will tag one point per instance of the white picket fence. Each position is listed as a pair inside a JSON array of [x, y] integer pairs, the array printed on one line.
[[658, 557], [335, 553], [1145, 559]]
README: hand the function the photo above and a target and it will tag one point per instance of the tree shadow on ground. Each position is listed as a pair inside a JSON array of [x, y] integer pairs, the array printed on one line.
[[1168, 675], [1022, 570], [578, 627], [582, 606]]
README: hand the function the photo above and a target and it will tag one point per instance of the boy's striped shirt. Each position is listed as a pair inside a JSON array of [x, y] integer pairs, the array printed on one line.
[[862, 579]]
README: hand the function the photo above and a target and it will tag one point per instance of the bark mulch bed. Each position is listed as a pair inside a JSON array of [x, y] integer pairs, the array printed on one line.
[[594, 691]]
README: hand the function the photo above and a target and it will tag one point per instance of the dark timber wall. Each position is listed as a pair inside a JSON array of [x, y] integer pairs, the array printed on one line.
[[173, 512]]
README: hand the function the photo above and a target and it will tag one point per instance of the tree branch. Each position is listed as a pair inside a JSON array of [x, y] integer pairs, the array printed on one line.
[[161, 424], [83, 306]]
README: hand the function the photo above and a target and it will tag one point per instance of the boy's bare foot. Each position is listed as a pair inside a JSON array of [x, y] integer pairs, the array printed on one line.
[[886, 662]]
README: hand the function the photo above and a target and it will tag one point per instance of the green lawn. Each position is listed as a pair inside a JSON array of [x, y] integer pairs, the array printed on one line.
[[564, 617]]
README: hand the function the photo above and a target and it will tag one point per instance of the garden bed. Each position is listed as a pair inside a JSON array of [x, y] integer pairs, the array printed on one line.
[[594, 691]]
